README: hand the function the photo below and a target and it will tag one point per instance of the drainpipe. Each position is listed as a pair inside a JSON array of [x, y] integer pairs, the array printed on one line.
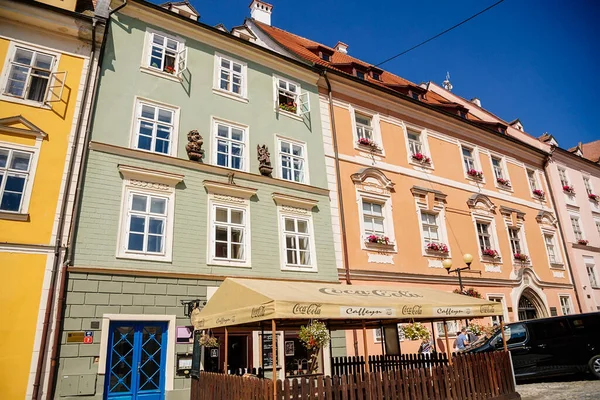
[[560, 227], [58, 321], [340, 197]]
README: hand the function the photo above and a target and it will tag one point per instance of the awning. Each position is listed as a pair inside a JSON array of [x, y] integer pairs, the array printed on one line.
[[247, 302]]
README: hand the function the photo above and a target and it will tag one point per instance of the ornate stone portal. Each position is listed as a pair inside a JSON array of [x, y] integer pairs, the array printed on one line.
[[194, 146], [264, 160]]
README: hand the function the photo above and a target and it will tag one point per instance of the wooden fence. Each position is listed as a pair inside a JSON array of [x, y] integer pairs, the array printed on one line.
[[472, 376], [356, 365]]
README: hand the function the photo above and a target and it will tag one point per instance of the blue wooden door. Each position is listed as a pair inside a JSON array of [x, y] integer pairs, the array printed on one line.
[[136, 361]]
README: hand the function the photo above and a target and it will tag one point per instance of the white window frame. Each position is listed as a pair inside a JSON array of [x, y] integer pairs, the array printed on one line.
[[29, 181], [180, 60], [55, 76], [244, 206], [375, 125], [503, 171], [388, 223], [246, 149], [558, 263], [563, 177], [424, 141], [522, 237], [135, 123], [477, 218], [577, 218], [476, 161], [217, 78], [536, 183], [377, 335], [597, 223], [590, 267], [569, 303], [453, 328], [284, 212], [491, 297], [587, 183], [278, 140], [131, 187], [440, 216], [302, 99]]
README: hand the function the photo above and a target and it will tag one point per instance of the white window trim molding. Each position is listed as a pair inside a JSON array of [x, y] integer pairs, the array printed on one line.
[[578, 216], [493, 237], [243, 97], [12, 46], [559, 264], [35, 155], [476, 157], [571, 308], [276, 108], [285, 210], [278, 169], [438, 208], [226, 201], [388, 223], [518, 223], [137, 100], [147, 182], [376, 125], [424, 138], [505, 174], [170, 357], [213, 137], [145, 64], [538, 182], [503, 304]]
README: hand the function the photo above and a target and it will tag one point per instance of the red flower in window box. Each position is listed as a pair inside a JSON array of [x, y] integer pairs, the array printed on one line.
[[490, 253], [503, 182], [367, 142], [422, 158], [439, 247], [473, 173], [379, 239], [539, 193], [582, 242], [593, 197], [521, 257], [472, 292], [569, 189], [169, 69]]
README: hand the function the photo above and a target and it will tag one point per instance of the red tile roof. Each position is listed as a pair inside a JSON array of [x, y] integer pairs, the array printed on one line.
[[590, 150]]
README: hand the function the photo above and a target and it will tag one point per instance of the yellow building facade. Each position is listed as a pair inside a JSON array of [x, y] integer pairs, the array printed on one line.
[[45, 54]]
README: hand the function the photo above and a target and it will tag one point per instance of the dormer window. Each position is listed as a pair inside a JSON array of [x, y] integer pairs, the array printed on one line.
[[462, 114], [325, 57], [415, 95], [376, 76], [360, 75]]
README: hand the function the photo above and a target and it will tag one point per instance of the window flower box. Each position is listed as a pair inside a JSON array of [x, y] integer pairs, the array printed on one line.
[[289, 107], [379, 239], [437, 247], [490, 253], [569, 189], [593, 197], [169, 69], [472, 292], [539, 193], [367, 143], [379, 242], [521, 257], [503, 182], [582, 242], [422, 158], [473, 173]]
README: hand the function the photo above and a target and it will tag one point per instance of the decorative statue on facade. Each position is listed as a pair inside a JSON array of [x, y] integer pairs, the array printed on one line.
[[194, 146], [264, 160]]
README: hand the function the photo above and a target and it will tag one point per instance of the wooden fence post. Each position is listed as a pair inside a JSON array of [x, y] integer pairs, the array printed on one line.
[[447, 343], [365, 347]]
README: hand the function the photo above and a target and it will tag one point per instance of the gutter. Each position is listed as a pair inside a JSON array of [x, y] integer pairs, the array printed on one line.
[[560, 227]]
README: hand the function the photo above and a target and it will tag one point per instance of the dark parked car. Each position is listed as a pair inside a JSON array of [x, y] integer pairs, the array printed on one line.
[[550, 346]]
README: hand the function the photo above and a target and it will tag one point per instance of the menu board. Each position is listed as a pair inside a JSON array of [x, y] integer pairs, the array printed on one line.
[[268, 350]]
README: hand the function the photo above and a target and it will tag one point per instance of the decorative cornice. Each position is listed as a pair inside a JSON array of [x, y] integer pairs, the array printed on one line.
[[481, 198], [419, 190], [227, 189], [508, 211], [375, 173], [141, 175], [293, 201], [14, 216], [542, 215], [31, 130]]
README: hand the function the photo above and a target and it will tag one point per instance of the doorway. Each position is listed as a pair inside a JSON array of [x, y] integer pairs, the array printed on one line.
[[527, 306]]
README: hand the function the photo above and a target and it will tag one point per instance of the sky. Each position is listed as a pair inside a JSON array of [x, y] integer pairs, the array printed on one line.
[[536, 60]]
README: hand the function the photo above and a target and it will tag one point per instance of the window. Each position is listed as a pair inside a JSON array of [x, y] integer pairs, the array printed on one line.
[[498, 171], [15, 166], [591, 275], [377, 335], [485, 238], [30, 74], [228, 234], [414, 142], [325, 57], [290, 98], [576, 228], [515, 241], [597, 225], [364, 128], [430, 228], [230, 146], [496, 319], [468, 158], [376, 76], [231, 76], [166, 54], [155, 128], [514, 334], [414, 95], [297, 239], [373, 218], [532, 180], [588, 185], [146, 223], [565, 304], [551, 248], [360, 75], [452, 327], [462, 114], [562, 174], [292, 161]]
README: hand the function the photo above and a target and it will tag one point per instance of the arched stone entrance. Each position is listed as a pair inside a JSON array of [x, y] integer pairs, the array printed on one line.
[[530, 305]]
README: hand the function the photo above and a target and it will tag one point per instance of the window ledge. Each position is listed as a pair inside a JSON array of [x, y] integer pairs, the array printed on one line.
[[475, 180], [144, 257], [370, 149], [538, 198], [508, 189], [595, 287], [560, 266], [433, 253], [14, 216], [380, 247], [165, 75], [428, 166], [225, 263], [288, 114], [491, 260], [31, 103], [230, 95], [299, 269]]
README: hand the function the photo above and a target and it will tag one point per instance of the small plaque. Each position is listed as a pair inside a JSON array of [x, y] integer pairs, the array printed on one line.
[[89, 333], [88, 339], [75, 337], [95, 324]]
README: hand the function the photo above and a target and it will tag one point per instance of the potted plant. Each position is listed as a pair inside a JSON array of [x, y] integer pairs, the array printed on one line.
[[490, 253], [473, 173], [170, 69], [569, 189], [503, 182], [582, 242], [290, 106], [422, 158], [539, 193], [438, 247], [521, 257], [314, 337], [367, 142], [593, 197], [208, 341], [378, 239], [476, 328], [415, 331], [472, 292]]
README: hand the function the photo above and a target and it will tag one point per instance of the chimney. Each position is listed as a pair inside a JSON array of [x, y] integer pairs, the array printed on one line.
[[476, 101], [261, 11], [341, 47]]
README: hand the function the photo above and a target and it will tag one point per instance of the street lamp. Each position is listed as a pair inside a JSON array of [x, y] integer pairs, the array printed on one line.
[[447, 263]]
